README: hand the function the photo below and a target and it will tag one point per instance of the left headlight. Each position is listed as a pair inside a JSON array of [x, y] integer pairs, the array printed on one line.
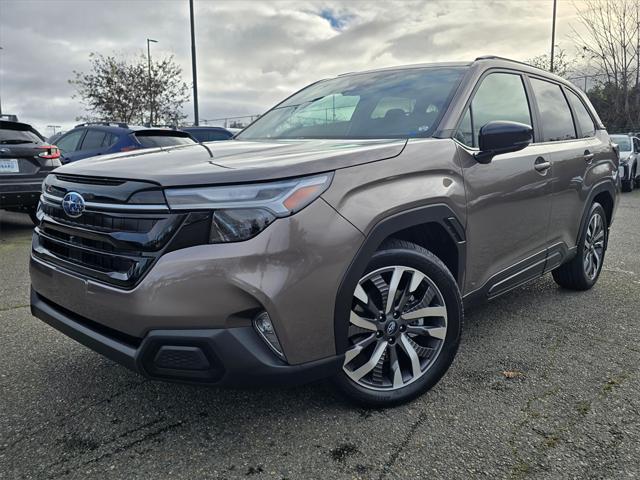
[[240, 212]]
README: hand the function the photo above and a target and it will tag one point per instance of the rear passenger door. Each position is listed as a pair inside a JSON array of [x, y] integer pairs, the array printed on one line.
[[568, 132], [508, 200]]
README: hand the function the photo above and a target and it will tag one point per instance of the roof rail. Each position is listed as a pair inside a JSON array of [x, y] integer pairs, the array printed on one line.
[[104, 124], [496, 57]]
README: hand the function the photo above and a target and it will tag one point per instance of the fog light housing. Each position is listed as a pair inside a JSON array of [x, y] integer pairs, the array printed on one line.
[[263, 325]]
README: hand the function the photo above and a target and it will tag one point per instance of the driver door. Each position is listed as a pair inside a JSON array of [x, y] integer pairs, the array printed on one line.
[[509, 199]]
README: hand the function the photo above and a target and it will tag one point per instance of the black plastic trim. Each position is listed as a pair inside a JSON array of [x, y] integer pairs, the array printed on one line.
[[237, 356]]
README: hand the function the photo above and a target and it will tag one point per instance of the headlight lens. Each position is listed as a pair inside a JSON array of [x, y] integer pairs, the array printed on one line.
[[241, 212]]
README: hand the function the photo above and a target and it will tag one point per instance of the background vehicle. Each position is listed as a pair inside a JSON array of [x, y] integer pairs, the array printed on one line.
[[25, 160], [338, 235], [91, 139], [53, 138], [208, 134], [629, 148]]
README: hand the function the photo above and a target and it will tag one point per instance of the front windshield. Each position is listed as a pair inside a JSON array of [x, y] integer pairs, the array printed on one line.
[[386, 104], [623, 142]]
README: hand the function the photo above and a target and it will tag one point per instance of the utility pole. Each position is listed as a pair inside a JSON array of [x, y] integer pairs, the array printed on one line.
[[553, 34], [149, 41], [194, 72], [0, 88]]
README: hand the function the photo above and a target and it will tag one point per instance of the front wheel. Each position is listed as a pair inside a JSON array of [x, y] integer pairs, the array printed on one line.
[[404, 328]]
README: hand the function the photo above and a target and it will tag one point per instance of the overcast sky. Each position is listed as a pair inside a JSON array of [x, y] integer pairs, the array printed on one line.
[[253, 53]]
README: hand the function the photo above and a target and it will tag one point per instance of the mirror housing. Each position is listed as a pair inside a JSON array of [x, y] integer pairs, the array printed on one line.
[[502, 137]]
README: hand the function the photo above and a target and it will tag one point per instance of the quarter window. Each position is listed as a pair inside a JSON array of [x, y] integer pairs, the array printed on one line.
[[69, 142], [583, 119], [501, 96], [555, 115], [93, 140]]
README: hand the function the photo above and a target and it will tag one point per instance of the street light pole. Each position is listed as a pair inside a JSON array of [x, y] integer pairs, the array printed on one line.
[[196, 120], [149, 40], [553, 34], [0, 89]]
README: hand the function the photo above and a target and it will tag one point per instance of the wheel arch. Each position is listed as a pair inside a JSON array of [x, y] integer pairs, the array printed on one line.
[[605, 194], [434, 227]]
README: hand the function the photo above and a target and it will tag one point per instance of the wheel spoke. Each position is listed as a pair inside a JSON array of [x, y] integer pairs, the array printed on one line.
[[412, 354], [435, 332], [361, 322], [395, 368], [393, 288], [361, 295], [371, 363], [354, 351], [426, 312]]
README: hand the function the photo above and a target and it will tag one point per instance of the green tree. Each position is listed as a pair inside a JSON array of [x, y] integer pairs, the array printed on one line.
[[562, 65], [120, 89]]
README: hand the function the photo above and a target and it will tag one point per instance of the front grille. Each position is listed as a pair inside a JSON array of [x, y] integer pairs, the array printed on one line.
[[114, 248], [89, 180]]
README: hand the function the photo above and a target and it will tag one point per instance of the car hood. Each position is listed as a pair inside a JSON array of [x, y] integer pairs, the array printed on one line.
[[235, 161]]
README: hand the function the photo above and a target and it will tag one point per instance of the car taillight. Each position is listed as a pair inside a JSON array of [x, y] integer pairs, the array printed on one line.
[[128, 148], [50, 152]]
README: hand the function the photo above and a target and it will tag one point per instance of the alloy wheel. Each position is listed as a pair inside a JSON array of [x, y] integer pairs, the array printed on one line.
[[594, 246], [398, 325]]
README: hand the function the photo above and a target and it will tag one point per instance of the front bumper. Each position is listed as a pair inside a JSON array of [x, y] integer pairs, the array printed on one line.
[[292, 270], [234, 356]]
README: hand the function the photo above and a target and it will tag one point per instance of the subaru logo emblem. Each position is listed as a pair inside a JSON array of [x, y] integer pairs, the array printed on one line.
[[73, 204], [392, 326]]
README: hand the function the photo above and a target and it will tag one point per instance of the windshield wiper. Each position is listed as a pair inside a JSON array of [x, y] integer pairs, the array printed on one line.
[[15, 141]]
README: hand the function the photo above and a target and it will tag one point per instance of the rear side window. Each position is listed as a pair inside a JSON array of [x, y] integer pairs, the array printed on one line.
[[93, 140], [583, 119], [110, 140], [501, 96], [69, 142], [555, 115], [155, 140]]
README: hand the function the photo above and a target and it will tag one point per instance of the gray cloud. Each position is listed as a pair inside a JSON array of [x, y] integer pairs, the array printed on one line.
[[251, 54]]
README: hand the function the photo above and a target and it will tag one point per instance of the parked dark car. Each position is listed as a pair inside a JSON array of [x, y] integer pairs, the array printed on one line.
[[25, 160], [208, 134], [91, 139], [339, 235]]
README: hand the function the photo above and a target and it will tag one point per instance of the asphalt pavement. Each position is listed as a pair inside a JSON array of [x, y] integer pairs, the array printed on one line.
[[546, 385]]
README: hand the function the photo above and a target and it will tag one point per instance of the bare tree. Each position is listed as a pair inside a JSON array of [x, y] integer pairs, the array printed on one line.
[[610, 39], [119, 89], [562, 65]]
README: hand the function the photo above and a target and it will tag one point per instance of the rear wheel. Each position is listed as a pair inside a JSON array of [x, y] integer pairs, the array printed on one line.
[[628, 185], [405, 326], [33, 216], [582, 272]]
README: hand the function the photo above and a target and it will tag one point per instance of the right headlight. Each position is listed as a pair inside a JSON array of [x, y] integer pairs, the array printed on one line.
[[240, 212]]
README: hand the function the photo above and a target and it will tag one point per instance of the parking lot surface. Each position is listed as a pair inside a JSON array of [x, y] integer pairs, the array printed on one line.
[[546, 385]]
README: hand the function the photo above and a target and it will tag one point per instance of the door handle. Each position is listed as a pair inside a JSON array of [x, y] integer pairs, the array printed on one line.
[[588, 156], [541, 165]]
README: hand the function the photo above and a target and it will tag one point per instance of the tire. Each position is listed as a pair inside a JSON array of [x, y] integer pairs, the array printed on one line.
[[627, 185], [424, 286], [33, 217], [581, 273]]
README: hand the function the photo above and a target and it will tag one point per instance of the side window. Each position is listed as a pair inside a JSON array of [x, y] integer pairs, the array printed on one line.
[[69, 142], [583, 119], [109, 140], [636, 143], [501, 96], [93, 139], [555, 116]]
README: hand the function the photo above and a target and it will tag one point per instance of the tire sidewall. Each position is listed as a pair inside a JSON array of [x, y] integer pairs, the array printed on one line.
[[432, 267]]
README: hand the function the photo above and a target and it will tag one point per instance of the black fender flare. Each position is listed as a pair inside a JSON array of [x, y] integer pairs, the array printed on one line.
[[604, 186], [437, 213]]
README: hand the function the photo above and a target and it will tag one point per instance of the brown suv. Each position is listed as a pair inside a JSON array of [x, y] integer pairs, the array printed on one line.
[[337, 236]]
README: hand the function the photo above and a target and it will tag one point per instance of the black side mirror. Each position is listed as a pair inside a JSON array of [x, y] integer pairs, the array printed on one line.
[[502, 137]]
